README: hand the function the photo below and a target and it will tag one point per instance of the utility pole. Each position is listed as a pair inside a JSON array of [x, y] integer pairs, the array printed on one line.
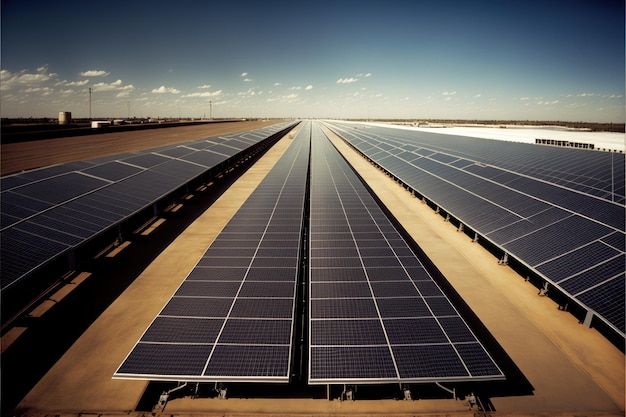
[[210, 110], [90, 104]]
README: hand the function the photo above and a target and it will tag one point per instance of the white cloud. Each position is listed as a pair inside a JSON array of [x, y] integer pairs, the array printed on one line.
[[205, 94], [23, 78], [45, 90], [447, 93], [295, 88], [477, 96], [524, 98], [94, 73], [163, 89], [347, 80], [247, 80], [205, 86], [308, 88], [107, 86], [72, 83], [125, 91], [283, 98], [276, 84], [244, 74]]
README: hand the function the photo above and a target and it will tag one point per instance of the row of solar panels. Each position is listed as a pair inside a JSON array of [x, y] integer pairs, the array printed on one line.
[[375, 314], [49, 211], [233, 315], [560, 211]]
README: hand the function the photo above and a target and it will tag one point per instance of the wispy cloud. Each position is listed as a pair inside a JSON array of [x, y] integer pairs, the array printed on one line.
[[244, 74], [107, 86], [205, 86], [163, 89], [125, 91], [24, 78], [66, 83], [347, 80], [205, 94], [350, 80], [448, 93], [94, 73], [283, 98], [308, 88]]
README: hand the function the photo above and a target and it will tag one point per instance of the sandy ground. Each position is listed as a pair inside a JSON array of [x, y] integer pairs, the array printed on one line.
[[27, 155], [573, 369]]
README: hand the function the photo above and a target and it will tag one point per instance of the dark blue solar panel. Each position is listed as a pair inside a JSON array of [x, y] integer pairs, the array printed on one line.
[[113, 171], [183, 330], [246, 362], [178, 360], [578, 260], [429, 361], [328, 364], [606, 303], [56, 190]]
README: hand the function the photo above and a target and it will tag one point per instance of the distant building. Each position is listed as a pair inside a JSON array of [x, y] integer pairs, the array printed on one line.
[[65, 117], [556, 142]]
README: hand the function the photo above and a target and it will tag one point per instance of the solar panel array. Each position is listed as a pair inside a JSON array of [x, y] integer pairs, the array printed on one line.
[[49, 211], [232, 318], [560, 211], [376, 315]]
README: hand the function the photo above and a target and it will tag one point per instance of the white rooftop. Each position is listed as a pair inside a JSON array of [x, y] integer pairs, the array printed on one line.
[[602, 140]]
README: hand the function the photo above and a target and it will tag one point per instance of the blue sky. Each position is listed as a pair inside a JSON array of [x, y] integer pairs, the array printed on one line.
[[498, 59]]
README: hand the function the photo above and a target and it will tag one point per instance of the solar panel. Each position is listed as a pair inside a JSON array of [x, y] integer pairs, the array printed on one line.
[[232, 318], [376, 314], [94, 195], [523, 198]]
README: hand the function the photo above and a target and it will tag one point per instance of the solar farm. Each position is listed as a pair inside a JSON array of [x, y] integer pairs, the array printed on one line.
[[321, 288]]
